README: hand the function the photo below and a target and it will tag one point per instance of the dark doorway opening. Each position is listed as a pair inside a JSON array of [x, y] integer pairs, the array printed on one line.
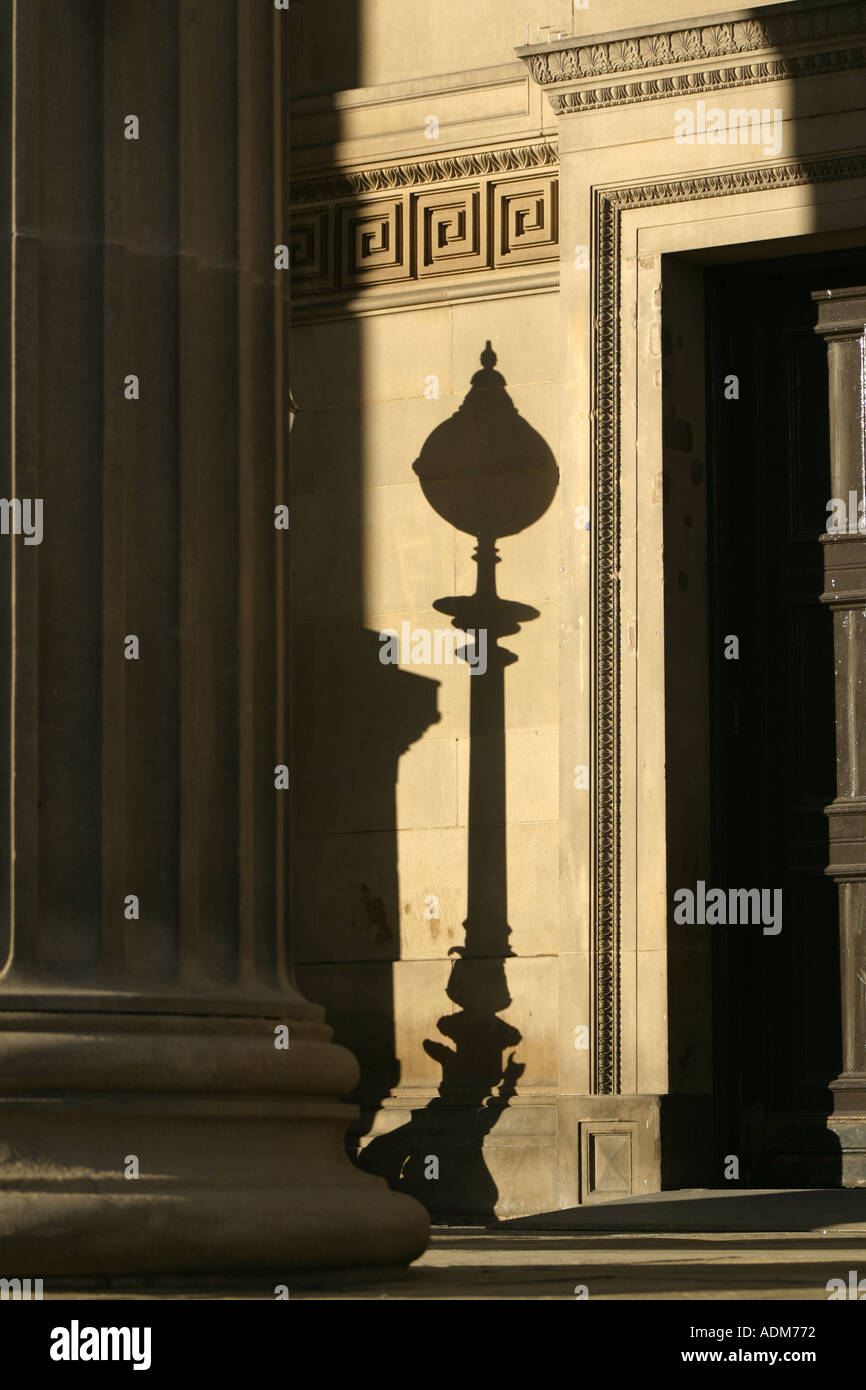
[[776, 993]]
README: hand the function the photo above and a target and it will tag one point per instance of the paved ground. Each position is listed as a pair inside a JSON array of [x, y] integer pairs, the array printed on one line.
[[471, 1266], [675, 1245]]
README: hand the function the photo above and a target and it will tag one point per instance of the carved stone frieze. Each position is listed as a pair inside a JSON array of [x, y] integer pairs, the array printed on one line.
[[481, 221], [686, 61], [447, 169]]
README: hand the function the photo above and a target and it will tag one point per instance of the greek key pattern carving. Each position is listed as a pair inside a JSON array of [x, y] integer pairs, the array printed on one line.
[[478, 225], [609, 205], [311, 250]]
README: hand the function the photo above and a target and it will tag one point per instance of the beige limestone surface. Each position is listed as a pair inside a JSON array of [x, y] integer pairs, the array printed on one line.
[[648, 212]]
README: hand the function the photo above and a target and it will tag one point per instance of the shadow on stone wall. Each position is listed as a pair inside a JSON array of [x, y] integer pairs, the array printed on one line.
[[490, 474]]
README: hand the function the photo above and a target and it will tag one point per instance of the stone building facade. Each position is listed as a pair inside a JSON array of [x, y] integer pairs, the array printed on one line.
[[484, 883], [548, 327]]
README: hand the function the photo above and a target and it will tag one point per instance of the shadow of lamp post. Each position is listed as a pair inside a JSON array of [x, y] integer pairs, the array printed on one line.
[[490, 474]]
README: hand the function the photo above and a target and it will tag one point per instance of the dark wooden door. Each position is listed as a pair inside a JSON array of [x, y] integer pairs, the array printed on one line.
[[776, 997]]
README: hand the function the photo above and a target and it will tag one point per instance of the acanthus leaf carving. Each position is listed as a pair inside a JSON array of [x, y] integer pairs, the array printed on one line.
[[765, 30], [717, 39], [715, 79], [622, 56], [561, 65], [749, 34], [686, 44], [655, 50]]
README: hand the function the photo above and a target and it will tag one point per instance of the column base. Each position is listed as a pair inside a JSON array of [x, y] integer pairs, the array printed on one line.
[[848, 1125], [238, 1149], [850, 1131]]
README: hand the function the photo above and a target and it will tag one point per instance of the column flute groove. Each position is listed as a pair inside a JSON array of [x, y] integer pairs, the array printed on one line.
[[159, 1035]]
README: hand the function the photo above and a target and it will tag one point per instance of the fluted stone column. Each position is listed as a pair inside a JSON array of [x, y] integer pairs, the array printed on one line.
[[842, 321], [149, 1121]]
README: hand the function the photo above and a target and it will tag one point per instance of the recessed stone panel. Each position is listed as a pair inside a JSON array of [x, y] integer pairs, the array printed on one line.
[[525, 220], [311, 251], [451, 231], [375, 245], [606, 1161]]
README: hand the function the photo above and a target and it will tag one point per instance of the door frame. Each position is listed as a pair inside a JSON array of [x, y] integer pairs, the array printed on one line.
[[772, 210]]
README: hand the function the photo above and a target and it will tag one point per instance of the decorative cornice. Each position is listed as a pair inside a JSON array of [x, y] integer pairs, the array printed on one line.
[[609, 205], [446, 169], [749, 180], [685, 61], [696, 84]]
